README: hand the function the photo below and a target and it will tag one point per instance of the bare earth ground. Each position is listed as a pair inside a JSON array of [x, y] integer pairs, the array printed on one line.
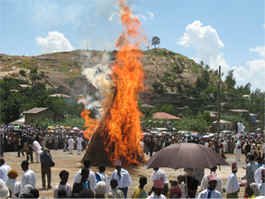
[[64, 160]]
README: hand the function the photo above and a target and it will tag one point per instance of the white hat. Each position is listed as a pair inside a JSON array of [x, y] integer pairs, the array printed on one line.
[[3, 189]]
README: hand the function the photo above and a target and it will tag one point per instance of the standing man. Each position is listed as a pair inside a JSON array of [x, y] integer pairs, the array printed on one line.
[[258, 173], [46, 164], [71, 143], [4, 169], [210, 191], [252, 166], [122, 176], [205, 182], [2, 145], [232, 185], [37, 149], [79, 144], [28, 176], [91, 177], [159, 174], [237, 151]]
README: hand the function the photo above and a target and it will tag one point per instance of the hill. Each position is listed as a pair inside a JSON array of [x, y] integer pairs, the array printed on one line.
[[168, 75]]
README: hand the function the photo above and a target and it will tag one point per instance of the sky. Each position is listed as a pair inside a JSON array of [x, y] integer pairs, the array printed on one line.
[[227, 33]]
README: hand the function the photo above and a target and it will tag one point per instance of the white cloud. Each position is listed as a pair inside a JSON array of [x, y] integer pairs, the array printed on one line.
[[253, 71], [206, 43], [260, 50], [54, 42]]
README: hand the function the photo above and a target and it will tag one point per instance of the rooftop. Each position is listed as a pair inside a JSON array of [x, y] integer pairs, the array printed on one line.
[[35, 110]]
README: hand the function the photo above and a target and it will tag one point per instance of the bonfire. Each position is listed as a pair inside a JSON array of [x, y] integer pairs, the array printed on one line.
[[118, 135]]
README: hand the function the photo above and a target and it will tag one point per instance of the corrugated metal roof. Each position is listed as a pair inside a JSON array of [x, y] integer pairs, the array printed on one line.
[[36, 110]]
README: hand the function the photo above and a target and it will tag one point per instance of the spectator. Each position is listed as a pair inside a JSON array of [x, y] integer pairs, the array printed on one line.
[[139, 192], [36, 147], [210, 192], [115, 192], [63, 190], [4, 169], [46, 164], [82, 188], [157, 190], [258, 173], [174, 191], [4, 193], [232, 185], [122, 176], [28, 177], [71, 143], [101, 190], [252, 166], [159, 174], [91, 178], [191, 183], [204, 182], [262, 184], [12, 184], [79, 144]]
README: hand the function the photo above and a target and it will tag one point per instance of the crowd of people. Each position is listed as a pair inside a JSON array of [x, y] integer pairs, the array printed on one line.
[[97, 184]]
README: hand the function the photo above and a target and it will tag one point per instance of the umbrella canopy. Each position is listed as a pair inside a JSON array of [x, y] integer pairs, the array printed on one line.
[[186, 155]]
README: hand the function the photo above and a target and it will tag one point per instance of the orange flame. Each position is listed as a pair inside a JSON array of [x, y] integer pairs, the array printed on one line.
[[123, 123], [90, 124]]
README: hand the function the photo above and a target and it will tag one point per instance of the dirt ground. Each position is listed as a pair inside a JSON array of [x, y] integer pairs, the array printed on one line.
[[64, 160]]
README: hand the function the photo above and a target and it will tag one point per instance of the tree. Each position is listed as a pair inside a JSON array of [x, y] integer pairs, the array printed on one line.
[[230, 80], [155, 41]]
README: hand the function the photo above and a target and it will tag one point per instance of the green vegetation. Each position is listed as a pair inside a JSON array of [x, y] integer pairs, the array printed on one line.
[[16, 99]]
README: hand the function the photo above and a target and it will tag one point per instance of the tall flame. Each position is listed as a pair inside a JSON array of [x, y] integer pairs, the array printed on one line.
[[91, 124], [120, 130], [123, 124]]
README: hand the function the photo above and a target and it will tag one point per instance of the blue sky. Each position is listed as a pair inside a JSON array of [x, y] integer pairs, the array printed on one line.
[[237, 24]]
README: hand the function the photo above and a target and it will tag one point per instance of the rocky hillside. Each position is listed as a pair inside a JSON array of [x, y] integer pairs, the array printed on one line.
[[167, 74]]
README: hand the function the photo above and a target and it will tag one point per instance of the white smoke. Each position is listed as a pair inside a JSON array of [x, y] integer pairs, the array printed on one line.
[[99, 76]]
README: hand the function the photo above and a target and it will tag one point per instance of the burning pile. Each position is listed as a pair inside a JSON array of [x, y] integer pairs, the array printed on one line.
[[119, 132]]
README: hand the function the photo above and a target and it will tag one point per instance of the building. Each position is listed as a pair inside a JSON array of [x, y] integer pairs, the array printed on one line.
[[37, 113]]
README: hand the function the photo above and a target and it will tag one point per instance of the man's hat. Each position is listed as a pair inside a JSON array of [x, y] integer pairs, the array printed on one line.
[[212, 178]]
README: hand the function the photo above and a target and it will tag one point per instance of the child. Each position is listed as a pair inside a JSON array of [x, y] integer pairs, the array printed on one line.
[[63, 190]]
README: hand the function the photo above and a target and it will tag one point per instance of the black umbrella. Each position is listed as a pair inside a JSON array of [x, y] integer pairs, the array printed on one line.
[[186, 155]]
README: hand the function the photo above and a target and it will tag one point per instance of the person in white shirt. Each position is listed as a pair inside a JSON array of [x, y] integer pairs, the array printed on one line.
[[237, 152], [63, 189], [79, 145], [157, 190], [102, 176], [29, 176], [37, 150], [71, 143], [232, 185], [262, 184], [91, 177], [4, 169], [122, 176], [4, 192], [210, 191], [159, 174], [12, 184], [204, 182], [258, 174]]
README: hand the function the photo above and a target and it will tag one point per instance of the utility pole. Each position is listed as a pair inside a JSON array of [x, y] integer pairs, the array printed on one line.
[[219, 100], [263, 113]]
